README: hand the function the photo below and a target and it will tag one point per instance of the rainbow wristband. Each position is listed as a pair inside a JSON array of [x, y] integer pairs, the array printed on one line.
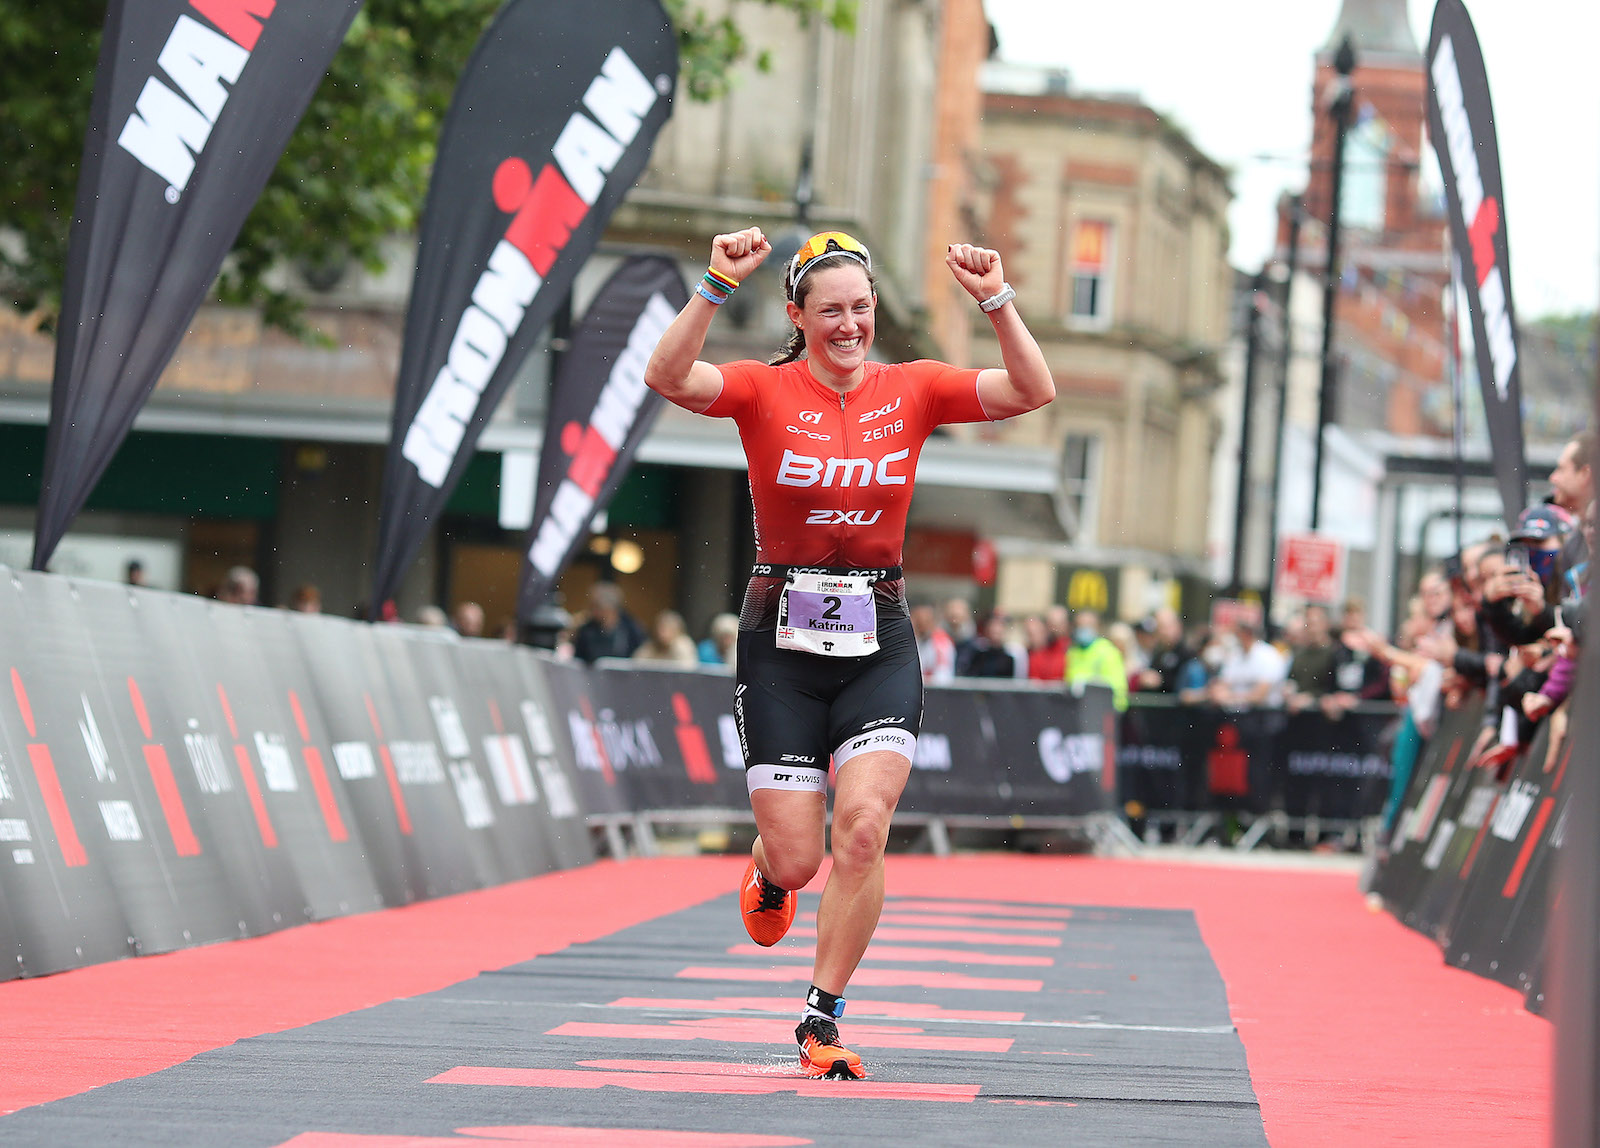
[[720, 282]]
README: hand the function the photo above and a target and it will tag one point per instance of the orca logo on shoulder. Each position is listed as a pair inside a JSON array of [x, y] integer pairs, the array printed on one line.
[[167, 131]]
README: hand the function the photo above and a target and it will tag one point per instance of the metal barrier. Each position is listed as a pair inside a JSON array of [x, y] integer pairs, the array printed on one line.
[[1188, 770], [175, 771]]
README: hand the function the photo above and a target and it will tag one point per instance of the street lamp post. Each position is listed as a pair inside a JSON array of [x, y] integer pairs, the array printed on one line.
[[1344, 62], [1252, 346], [1280, 415]]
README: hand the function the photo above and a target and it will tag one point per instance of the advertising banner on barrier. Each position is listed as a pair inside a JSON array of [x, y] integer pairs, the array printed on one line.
[[1437, 800], [598, 414], [176, 771], [1196, 758], [193, 104], [1461, 127], [1498, 927], [551, 124]]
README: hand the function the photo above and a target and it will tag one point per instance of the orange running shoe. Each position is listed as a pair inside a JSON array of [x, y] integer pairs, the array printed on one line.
[[821, 1054], [768, 911]]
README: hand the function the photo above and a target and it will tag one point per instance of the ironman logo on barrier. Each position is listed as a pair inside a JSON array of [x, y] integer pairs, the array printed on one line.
[[547, 209], [166, 130]]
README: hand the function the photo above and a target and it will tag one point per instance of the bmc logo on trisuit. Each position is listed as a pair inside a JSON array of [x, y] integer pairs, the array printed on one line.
[[805, 470], [166, 131]]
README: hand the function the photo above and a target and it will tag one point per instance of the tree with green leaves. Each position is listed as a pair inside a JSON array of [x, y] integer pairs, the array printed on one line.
[[356, 170]]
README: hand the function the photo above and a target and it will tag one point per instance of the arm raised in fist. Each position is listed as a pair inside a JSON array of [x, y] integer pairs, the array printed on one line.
[[740, 253], [675, 370], [1026, 383]]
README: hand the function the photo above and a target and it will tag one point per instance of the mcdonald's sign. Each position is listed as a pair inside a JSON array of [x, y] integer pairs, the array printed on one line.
[[1087, 590]]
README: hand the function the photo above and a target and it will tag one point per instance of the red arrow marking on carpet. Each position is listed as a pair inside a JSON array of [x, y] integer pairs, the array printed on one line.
[[899, 933], [898, 1010], [703, 1077], [1044, 912], [548, 1134], [903, 953], [759, 1030], [874, 978], [897, 918]]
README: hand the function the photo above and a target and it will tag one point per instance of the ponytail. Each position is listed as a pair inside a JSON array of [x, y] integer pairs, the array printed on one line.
[[791, 349]]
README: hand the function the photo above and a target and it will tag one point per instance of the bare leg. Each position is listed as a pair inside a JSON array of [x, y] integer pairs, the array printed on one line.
[[789, 827], [867, 790]]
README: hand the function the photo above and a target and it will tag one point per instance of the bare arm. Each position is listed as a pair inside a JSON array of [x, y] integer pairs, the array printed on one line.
[[1025, 384], [675, 371]]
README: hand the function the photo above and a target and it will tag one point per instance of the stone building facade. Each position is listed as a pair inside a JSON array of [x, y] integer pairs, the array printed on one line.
[[1112, 225]]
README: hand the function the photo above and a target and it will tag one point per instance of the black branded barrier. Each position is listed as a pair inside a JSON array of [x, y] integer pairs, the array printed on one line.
[[1472, 858], [1194, 759], [1498, 927], [1440, 793], [174, 771]]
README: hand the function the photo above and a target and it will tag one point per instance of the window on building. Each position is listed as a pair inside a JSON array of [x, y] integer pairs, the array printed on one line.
[[1365, 185], [1075, 490], [1090, 271]]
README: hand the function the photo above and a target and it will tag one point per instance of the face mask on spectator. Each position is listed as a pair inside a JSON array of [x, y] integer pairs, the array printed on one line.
[[1212, 656], [1542, 563], [1083, 636]]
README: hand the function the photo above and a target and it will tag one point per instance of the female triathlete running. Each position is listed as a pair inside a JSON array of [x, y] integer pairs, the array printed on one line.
[[827, 660]]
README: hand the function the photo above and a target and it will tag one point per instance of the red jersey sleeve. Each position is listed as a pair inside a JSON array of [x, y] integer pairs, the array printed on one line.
[[740, 382], [946, 394]]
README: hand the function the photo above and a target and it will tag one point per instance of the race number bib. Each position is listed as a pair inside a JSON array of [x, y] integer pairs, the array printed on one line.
[[828, 614]]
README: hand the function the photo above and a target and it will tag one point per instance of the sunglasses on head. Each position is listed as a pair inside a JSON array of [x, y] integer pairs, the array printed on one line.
[[825, 243]]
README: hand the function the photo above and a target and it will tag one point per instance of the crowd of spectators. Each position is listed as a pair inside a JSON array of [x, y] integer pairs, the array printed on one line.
[[1501, 618]]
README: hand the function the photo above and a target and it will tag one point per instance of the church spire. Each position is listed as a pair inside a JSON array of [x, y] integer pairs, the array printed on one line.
[[1375, 27]]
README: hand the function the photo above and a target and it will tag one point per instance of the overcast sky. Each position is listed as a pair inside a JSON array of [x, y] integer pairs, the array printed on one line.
[[1236, 74]]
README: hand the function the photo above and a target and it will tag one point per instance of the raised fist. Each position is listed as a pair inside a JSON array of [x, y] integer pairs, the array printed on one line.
[[977, 269], [738, 254]]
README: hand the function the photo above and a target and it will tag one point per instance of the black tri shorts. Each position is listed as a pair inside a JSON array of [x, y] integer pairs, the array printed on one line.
[[795, 710]]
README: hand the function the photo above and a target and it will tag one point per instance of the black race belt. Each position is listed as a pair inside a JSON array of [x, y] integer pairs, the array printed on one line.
[[775, 570]]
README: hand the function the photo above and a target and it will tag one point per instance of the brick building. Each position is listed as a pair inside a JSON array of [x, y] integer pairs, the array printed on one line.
[[1113, 228]]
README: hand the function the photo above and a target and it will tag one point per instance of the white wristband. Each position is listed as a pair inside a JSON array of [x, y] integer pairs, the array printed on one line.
[[999, 299]]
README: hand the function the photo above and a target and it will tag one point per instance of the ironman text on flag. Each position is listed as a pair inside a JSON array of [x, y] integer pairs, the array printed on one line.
[[547, 210], [1481, 212], [166, 130], [594, 448]]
